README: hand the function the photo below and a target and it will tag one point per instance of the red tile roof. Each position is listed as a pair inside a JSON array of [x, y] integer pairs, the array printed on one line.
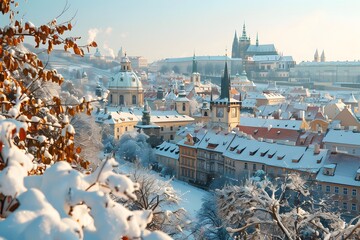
[[273, 133]]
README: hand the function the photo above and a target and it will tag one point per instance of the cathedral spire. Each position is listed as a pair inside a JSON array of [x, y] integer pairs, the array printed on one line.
[[244, 31], [235, 47], [322, 58], [316, 56]]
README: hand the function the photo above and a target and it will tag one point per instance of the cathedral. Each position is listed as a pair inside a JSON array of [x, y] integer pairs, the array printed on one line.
[[242, 47]]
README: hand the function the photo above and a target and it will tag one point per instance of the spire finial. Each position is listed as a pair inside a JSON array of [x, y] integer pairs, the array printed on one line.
[[244, 31]]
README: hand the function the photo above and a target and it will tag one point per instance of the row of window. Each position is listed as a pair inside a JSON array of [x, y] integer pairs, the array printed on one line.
[[171, 128], [185, 172], [254, 167], [126, 128], [188, 162], [345, 206], [337, 190], [122, 100], [229, 171], [187, 151]]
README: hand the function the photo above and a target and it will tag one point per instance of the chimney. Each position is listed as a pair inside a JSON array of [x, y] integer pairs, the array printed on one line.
[[106, 110], [316, 148], [334, 149], [302, 115]]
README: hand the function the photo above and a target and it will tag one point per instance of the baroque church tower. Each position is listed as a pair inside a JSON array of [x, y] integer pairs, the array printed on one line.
[[225, 111], [195, 75]]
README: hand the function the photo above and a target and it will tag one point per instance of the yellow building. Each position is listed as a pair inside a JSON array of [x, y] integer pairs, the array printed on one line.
[[121, 120]]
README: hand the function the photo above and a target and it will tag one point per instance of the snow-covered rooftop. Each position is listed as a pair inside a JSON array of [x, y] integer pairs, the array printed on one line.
[[271, 123], [216, 141], [118, 115], [261, 48], [168, 149], [284, 156], [342, 137], [347, 166]]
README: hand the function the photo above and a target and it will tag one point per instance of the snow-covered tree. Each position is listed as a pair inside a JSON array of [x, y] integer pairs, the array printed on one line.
[[88, 137], [133, 146], [209, 225], [44, 193], [283, 210], [160, 197]]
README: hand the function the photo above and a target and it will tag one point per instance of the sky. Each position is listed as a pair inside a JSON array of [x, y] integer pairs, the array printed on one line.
[[158, 29]]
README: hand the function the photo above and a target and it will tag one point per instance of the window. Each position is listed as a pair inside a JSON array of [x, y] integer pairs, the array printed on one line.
[[345, 191], [171, 137], [162, 128], [245, 166], [171, 128], [133, 99], [327, 188], [125, 128], [111, 98], [344, 205], [205, 114], [336, 189], [336, 203], [121, 100], [184, 107], [320, 187], [354, 192], [254, 167], [353, 207], [117, 129]]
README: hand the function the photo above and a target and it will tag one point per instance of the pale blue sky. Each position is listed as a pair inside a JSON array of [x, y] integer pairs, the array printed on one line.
[[157, 29]]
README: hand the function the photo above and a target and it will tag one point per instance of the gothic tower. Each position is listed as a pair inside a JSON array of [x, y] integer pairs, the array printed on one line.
[[225, 111], [316, 56], [244, 43], [235, 53], [322, 58]]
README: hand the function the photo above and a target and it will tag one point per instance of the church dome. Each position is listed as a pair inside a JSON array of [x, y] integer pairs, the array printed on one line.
[[243, 78], [125, 80]]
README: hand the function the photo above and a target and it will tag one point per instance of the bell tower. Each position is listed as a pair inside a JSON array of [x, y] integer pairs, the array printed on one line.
[[225, 111], [195, 75], [182, 103]]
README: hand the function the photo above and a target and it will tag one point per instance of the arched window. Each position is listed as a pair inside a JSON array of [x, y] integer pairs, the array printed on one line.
[[121, 100], [184, 107], [205, 114], [133, 99], [111, 98]]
